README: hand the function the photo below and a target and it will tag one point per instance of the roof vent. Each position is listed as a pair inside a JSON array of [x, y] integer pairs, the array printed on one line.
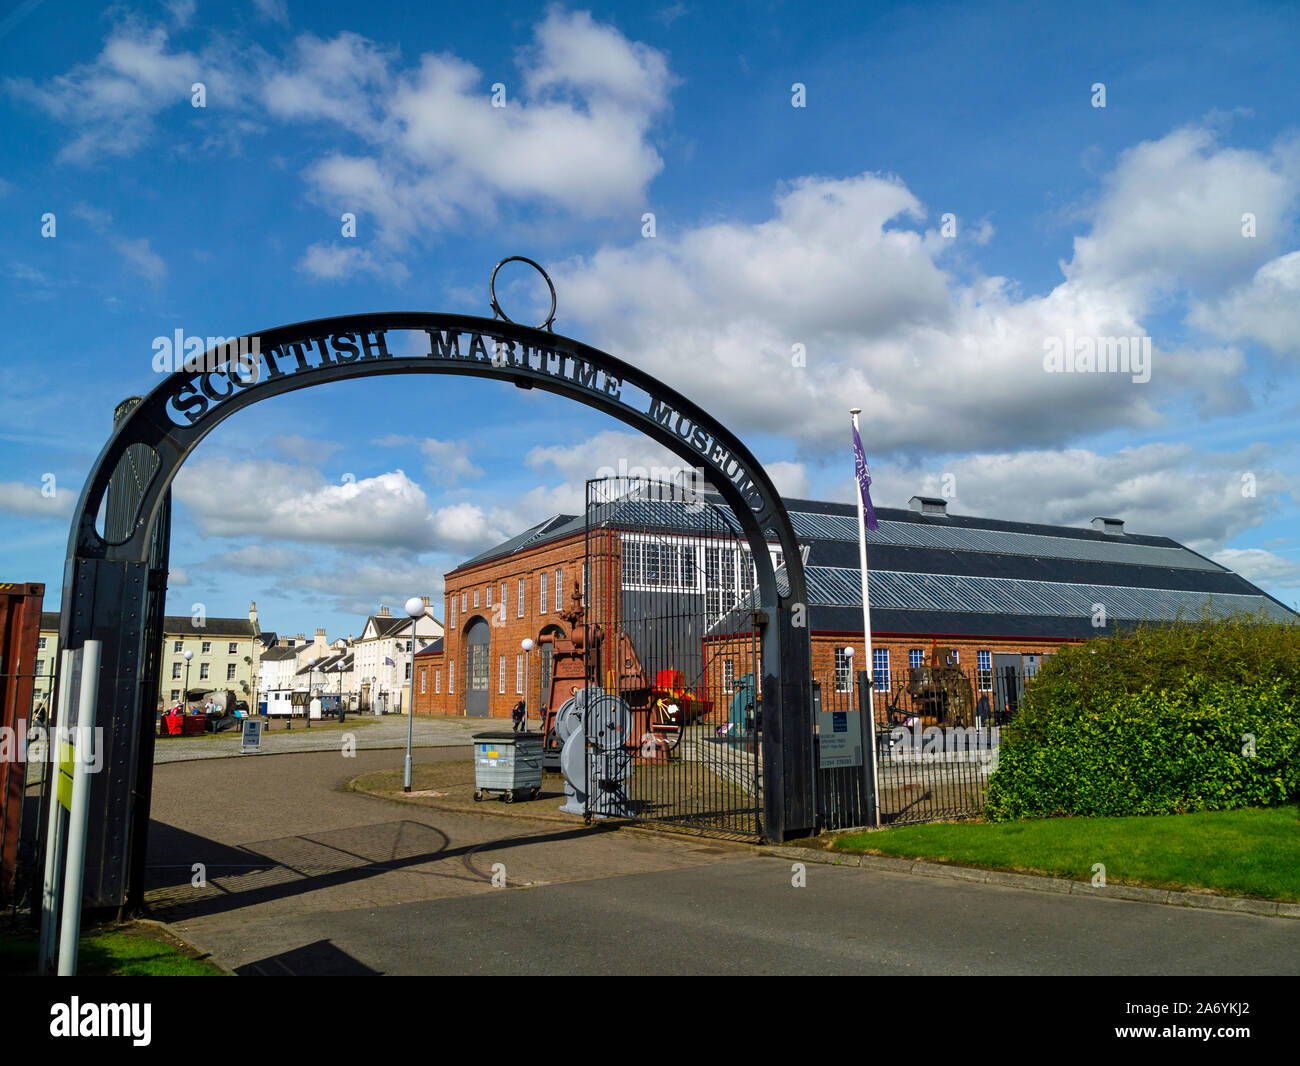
[[1113, 526], [928, 505]]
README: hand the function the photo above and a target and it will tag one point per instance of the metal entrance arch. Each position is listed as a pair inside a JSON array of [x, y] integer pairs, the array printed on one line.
[[110, 587]]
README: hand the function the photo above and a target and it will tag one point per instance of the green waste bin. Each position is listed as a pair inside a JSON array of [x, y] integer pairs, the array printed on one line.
[[507, 764]]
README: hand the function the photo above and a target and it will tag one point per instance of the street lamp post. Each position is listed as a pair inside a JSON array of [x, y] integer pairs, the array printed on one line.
[[416, 609], [311, 677], [527, 645], [185, 694]]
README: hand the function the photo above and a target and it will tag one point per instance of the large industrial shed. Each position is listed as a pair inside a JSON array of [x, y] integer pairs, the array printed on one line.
[[996, 596]]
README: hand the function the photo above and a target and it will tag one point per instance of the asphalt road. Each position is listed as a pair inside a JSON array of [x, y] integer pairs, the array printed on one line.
[[304, 878]]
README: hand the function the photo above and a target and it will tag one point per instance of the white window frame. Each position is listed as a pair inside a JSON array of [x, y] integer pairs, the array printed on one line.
[[541, 592], [519, 674], [915, 658], [177, 646], [230, 671], [464, 600], [204, 671], [451, 676], [176, 671], [232, 647], [424, 679], [40, 644], [205, 648], [984, 673], [728, 675], [559, 589], [501, 679], [523, 595], [505, 599], [452, 612], [476, 599], [437, 681], [488, 593], [843, 670]]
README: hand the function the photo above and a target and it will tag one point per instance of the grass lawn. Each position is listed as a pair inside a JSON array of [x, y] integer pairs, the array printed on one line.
[[109, 954], [1253, 852]]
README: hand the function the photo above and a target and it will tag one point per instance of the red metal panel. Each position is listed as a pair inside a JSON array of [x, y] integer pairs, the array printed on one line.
[[20, 624]]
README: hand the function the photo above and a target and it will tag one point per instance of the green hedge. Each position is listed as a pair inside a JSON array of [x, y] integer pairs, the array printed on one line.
[[1157, 722]]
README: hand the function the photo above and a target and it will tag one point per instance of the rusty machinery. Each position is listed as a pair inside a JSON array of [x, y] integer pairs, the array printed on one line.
[[941, 694], [659, 709]]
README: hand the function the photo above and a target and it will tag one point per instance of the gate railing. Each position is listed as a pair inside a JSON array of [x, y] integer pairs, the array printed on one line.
[[937, 736]]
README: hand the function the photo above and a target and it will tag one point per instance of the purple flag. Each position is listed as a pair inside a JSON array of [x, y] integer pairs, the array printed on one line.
[[388, 661], [864, 479]]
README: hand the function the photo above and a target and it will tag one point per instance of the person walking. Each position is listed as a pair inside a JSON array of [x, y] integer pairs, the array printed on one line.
[[517, 717]]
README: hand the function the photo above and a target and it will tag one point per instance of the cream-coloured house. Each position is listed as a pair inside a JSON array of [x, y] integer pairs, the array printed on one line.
[[225, 655], [382, 658]]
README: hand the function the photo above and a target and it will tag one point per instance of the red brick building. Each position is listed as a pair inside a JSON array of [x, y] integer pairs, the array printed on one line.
[[1000, 595]]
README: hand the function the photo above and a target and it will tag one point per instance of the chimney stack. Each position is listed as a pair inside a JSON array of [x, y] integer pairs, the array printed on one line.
[[932, 505]]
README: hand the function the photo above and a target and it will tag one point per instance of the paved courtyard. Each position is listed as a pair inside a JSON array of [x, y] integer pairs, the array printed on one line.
[[304, 877]]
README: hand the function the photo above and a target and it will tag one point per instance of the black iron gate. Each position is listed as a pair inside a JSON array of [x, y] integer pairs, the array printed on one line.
[[669, 580]]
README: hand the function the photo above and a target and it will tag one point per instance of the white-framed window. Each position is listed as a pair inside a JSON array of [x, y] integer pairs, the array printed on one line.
[[451, 676], [728, 675], [720, 585], [519, 674], [406, 671], [488, 592], [843, 670], [176, 694], [658, 563], [204, 671], [453, 609], [880, 672], [954, 657], [40, 667], [501, 677], [437, 681], [424, 679], [916, 657], [230, 671], [559, 589], [523, 590], [177, 646], [541, 592], [476, 597], [40, 644], [176, 671], [232, 648], [505, 605], [464, 601], [206, 649], [984, 668]]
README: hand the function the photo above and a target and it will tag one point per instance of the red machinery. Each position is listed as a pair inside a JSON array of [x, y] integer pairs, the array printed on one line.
[[659, 710]]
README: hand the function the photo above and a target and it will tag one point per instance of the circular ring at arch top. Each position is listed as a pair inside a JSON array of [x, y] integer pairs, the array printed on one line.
[[492, 289]]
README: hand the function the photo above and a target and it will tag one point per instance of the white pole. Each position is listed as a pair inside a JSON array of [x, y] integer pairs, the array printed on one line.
[[54, 825], [74, 875], [870, 664]]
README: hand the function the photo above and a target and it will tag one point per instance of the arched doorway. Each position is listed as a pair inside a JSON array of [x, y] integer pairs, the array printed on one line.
[[546, 653], [115, 574], [478, 658]]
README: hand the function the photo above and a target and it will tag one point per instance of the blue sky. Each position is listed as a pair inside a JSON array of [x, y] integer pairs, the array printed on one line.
[[775, 226]]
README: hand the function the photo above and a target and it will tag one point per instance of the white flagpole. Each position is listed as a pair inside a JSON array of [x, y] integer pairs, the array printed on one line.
[[870, 664]]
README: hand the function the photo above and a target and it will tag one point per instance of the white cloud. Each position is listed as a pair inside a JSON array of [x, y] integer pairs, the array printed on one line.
[[1266, 308], [136, 252], [448, 460], [111, 103], [20, 498], [280, 501], [1171, 212], [178, 577], [342, 262], [1168, 490], [1261, 567], [575, 139], [274, 10], [844, 275]]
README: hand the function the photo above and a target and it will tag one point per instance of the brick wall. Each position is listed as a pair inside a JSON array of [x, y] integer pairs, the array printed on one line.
[[506, 629]]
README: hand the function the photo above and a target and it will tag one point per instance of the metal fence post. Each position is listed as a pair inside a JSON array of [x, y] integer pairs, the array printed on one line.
[[867, 721]]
